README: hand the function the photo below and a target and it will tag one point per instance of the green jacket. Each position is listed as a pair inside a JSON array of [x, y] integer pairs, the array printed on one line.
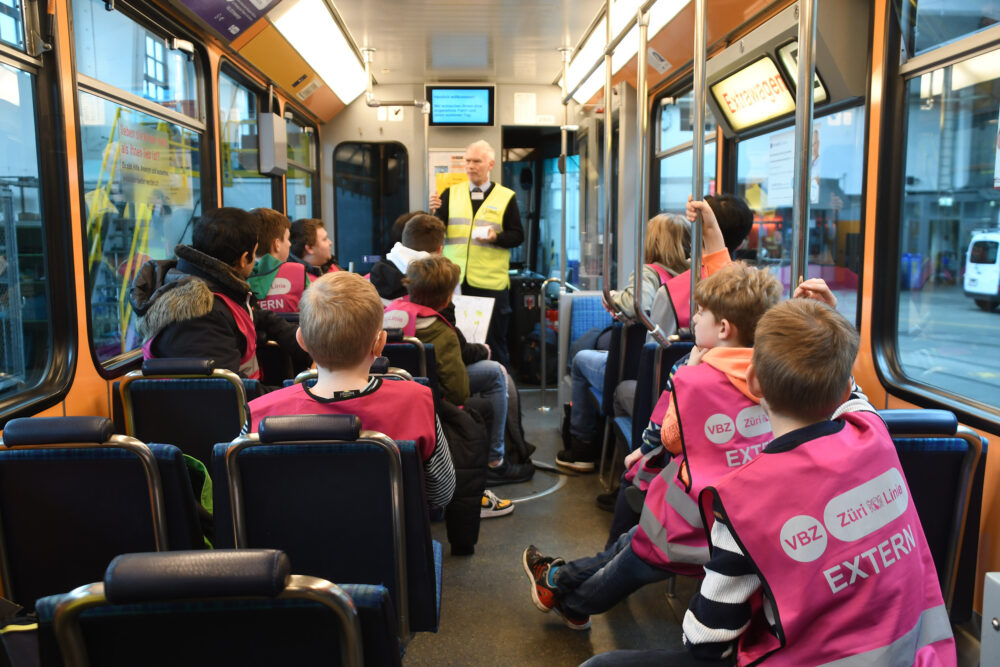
[[452, 377]]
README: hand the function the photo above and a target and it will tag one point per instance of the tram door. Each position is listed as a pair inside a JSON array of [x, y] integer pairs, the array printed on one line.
[[371, 189], [593, 192]]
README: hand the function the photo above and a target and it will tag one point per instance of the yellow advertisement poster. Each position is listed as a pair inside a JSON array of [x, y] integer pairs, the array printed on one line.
[[443, 181]]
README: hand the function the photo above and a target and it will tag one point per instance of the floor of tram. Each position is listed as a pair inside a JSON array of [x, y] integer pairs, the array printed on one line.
[[487, 615]]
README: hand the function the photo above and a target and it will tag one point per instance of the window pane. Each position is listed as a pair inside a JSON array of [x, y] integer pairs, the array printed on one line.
[[300, 144], [948, 273], [676, 119], [142, 193], [299, 190], [12, 23], [111, 47], [243, 186], [765, 170], [25, 333], [930, 23], [675, 178]]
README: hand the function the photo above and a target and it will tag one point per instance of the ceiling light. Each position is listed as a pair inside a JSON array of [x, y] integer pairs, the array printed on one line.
[[309, 26]]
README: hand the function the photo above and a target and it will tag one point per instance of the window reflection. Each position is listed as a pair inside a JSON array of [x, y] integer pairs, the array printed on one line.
[[930, 23], [947, 273], [675, 178], [243, 186], [11, 23], [765, 173]]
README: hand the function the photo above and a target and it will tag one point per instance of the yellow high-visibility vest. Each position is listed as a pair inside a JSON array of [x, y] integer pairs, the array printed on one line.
[[483, 264]]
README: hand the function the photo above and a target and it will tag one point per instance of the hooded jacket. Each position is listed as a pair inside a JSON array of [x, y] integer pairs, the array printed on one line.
[[177, 312], [387, 274]]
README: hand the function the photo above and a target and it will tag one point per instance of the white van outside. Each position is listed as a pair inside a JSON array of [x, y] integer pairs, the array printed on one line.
[[982, 269]]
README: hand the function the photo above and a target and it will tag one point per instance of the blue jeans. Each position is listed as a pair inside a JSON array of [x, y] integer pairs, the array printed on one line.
[[587, 370], [595, 584], [489, 379]]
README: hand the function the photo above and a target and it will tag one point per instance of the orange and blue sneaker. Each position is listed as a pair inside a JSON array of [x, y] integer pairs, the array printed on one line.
[[543, 593]]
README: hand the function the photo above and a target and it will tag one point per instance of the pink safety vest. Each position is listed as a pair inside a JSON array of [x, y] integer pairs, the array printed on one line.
[[244, 321], [662, 272], [401, 410], [721, 430], [650, 465], [847, 573], [679, 289], [413, 311], [286, 289]]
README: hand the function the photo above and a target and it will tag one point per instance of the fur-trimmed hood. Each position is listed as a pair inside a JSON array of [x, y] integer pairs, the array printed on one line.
[[169, 291]]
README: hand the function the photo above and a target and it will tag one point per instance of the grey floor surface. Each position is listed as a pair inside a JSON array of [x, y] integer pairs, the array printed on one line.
[[487, 616]]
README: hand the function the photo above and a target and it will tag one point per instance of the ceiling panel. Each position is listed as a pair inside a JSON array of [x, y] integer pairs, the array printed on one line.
[[502, 41]]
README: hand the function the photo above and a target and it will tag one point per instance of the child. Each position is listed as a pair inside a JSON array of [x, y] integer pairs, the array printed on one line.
[[277, 283], [431, 282], [422, 236], [312, 247], [200, 305], [719, 425], [340, 325], [792, 580]]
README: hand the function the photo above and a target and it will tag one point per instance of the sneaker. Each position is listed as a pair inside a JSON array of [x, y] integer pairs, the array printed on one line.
[[566, 459], [536, 566], [493, 506], [509, 473], [572, 620]]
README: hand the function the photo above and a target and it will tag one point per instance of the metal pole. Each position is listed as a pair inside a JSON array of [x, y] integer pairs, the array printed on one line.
[[642, 132], [544, 339], [803, 141], [608, 73], [698, 134], [566, 51]]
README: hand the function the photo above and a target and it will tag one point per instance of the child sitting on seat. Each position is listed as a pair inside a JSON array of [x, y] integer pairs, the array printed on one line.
[[431, 281], [277, 283], [340, 325], [818, 555], [719, 426], [422, 236]]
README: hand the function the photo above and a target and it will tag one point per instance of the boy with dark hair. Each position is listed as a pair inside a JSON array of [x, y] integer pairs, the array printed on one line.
[[312, 246], [422, 236], [277, 283], [200, 304], [840, 575], [719, 426], [431, 282], [340, 325]]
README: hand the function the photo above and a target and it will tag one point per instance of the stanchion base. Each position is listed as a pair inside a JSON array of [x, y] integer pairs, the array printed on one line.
[[544, 408]]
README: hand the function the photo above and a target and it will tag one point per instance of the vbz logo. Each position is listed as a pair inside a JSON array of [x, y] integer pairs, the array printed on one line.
[[719, 428], [803, 538]]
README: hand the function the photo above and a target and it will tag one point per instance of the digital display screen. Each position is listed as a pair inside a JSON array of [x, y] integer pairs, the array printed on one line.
[[460, 105]]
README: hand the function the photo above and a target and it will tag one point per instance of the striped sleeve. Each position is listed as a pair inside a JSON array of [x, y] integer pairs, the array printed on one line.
[[721, 611], [439, 472]]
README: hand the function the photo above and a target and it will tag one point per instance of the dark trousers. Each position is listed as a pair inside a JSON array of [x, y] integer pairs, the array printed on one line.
[[496, 336]]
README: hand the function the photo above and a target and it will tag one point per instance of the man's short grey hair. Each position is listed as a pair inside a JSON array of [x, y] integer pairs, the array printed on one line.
[[484, 146]]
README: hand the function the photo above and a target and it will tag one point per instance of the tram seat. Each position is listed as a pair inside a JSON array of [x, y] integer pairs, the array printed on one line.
[[944, 467], [650, 382], [219, 608], [579, 312], [379, 368], [98, 502], [415, 357], [300, 483], [186, 402]]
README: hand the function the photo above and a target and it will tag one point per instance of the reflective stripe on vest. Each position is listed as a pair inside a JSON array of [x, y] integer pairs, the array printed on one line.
[[687, 508], [836, 538], [483, 264]]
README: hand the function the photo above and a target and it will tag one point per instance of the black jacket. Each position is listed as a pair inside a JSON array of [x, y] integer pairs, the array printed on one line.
[[175, 308], [387, 279]]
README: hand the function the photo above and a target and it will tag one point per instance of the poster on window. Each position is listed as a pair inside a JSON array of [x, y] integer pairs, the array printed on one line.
[[996, 166]]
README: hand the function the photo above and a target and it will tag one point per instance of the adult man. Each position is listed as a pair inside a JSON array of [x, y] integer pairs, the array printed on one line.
[[483, 224]]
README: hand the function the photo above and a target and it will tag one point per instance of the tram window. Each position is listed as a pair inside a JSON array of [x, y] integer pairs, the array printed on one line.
[[550, 223], [11, 23], [301, 177], [243, 186], [25, 329], [947, 274], [765, 170], [118, 51], [930, 23], [675, 178], [142, 193], [676, 119], [675, 154]]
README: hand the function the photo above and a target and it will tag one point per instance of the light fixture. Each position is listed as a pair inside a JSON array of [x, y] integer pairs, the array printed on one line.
[[309, 26]]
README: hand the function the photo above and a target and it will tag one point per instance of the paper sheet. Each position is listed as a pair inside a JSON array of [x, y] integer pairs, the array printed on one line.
[[472, 316]]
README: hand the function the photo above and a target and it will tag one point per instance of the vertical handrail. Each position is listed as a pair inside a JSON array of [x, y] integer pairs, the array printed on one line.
[[543, 338], [608, 74], [642, 131], [564, 140], [803, 141], [698, 134]]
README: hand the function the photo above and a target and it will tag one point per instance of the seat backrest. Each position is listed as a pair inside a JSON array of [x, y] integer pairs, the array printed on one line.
[[181, 405], [292, 485], [407, 355], [218, 608], [578, 313], [66, 511], [623, 360], [940, 461], [651, 380]]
